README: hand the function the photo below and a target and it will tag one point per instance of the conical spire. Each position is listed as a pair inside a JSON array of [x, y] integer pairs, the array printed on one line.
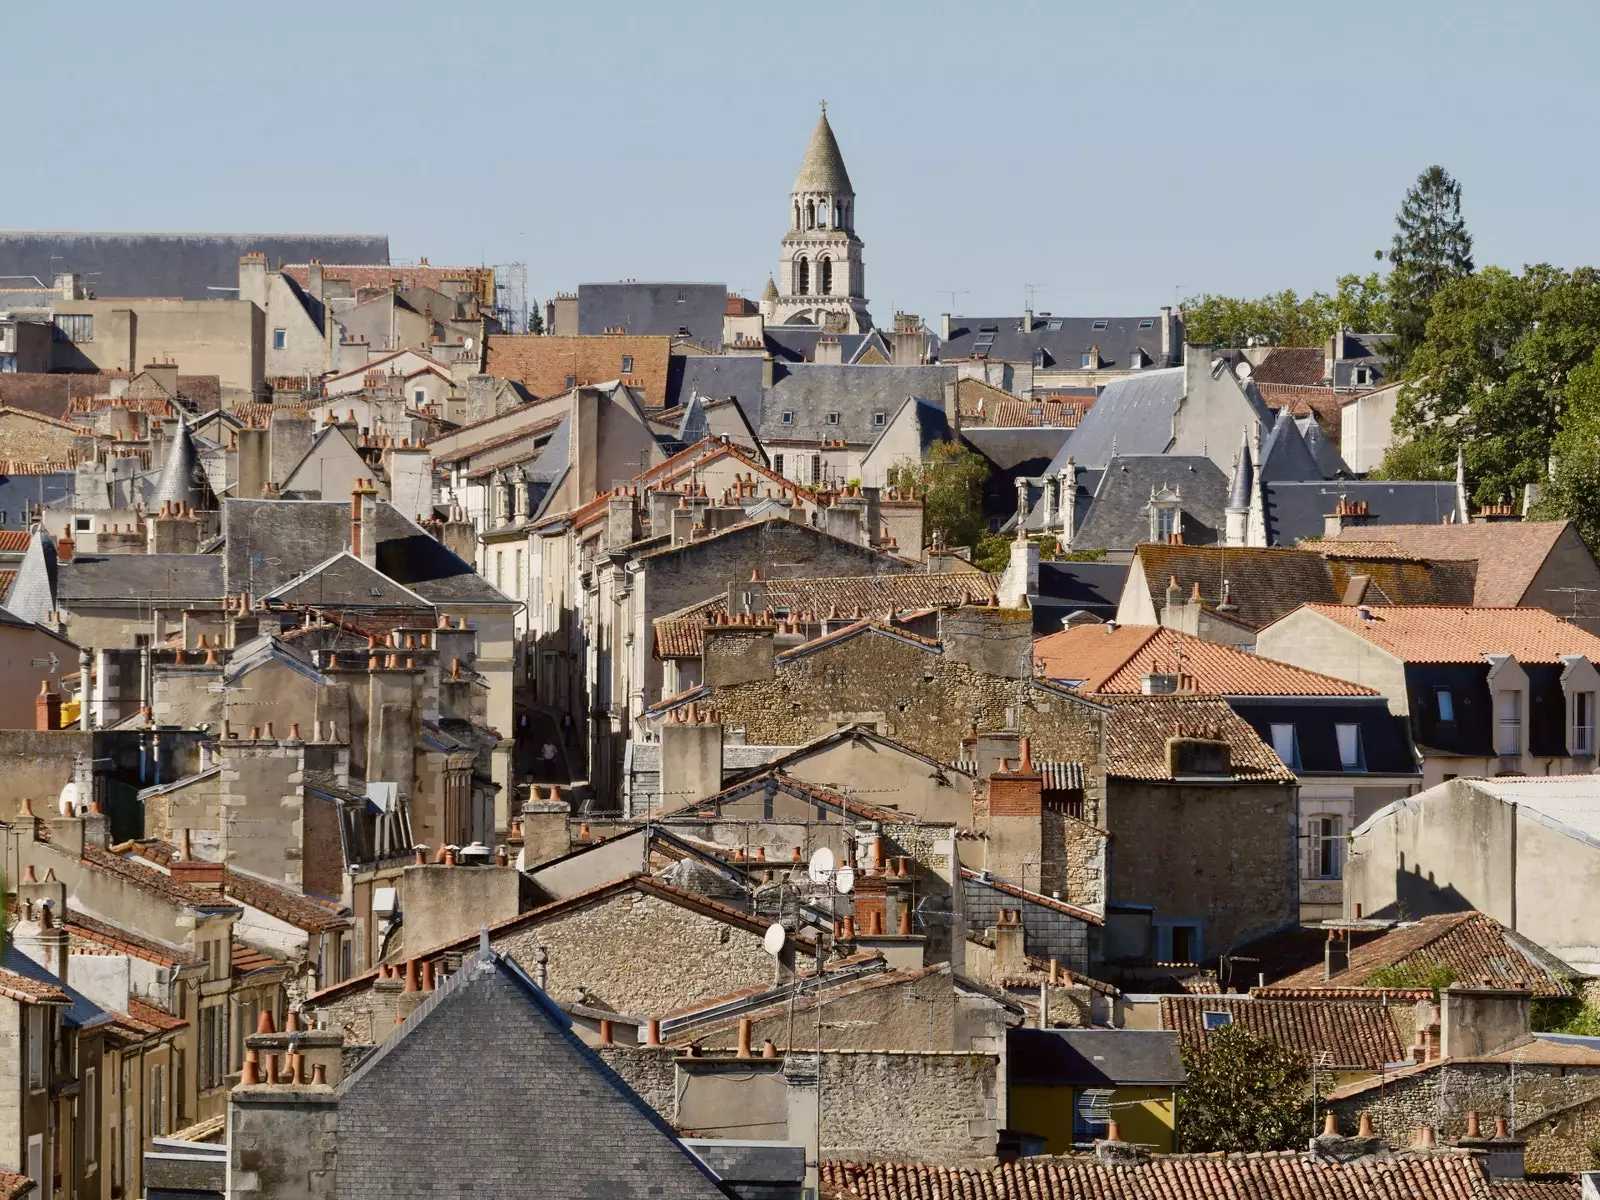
[[33, 593], [770, 292], [1244, 476], [822, 169], [180, 477]]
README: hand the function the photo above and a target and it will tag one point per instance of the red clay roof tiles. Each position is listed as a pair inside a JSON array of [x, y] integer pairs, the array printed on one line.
[[1446, 634]]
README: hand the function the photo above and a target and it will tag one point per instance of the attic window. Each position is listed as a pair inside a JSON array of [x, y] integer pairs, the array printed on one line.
[[1099, 324], [572, 381], [833, 418], [989, 329], [786, 419], [1216, 1020], [1054, 326], [627, 364], [879, 419], [1147, 323]]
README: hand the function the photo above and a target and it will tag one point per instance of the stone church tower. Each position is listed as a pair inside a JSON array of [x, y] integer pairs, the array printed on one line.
[[820, 278]]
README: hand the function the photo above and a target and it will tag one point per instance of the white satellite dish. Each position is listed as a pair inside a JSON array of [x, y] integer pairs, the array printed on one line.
[[1243, 369], [774, 939], [821, 865], [844, 881]]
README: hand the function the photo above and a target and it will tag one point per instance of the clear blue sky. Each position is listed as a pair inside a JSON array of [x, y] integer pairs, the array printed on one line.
[[1107, 152]]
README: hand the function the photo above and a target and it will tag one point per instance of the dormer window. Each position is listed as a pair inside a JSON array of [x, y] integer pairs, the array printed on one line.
[[880, 419], [627, 364], [1099, 325], [786, 418], [833, 418], [1088, 360]]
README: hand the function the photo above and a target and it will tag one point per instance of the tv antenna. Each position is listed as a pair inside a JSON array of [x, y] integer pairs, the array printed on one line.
[[1573, 592], [1033, 289], [823, 870], [953, 293]]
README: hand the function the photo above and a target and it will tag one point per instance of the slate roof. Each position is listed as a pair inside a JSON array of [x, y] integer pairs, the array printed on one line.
[[344, 581], [1356, 1034], [1139, 726], [182, 480], [1295, 509], [116, 577], [1132, 416], [692, 310], [1276, 1175], [173, 264], [1478, 947], [1068, 587], [1055, 343], [18, 491], [1095, 1057], [717, 377], [1119, 511], [809, 392], [1109, 660], [678, 633], [273, 898], [1568, 803], [439, 1110], [1509, 553], [1024, 448], [1444, 634], [33, 594]]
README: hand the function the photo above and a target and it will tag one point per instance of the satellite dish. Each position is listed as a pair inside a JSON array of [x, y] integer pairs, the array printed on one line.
[[844, 881], [466, 344], [774, 939], [821, 865], [1242, 370]]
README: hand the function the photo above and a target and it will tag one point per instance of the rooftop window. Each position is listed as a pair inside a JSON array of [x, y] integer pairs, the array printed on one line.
[[786, 418], [1100, 324], [1147, 323], [1054, 326], [1217, 1020], [833, 418]]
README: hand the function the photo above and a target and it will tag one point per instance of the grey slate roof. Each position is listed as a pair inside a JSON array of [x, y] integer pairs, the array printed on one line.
[[717, 377], [693, 310], [1284, 454], [1018, 448], [1119, 514], [115, 577], [441, 1110], [34, 591], [1055, 342], [18, 493], [798, 343], [1095, 1057], [1244, 476], [1132, 416], [1295, 510], [1068, 587], [269, 542], [182, 482], [173, 264], [809, 392], [344, 581], [1322, 449]]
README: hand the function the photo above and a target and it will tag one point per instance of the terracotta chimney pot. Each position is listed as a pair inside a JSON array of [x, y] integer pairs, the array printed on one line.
[[1113, 1132], [291, 1023], [1364, 1127], [1502, 1129], [1473, 1127], [768, 1049], [1424, 1138], [412, 982], [28, 875], [1330, 1126], [605, 1032], [422, 857], [427, 976], [319, 1075], [744, 1037], [905, 921], [251, 1075]]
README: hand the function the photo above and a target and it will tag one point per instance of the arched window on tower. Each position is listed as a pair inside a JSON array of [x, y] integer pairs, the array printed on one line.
[[841, 214], [797, 214], [811, 215], [824, 276], [802, 276], [822, 214]]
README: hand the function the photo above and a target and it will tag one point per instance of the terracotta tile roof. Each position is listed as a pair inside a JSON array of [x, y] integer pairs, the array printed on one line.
[[1387, 580], [1355, 1034], [384, 276], [1446, 634], [543, 362], [93, 404], [151, 880], [148, 1014], [1375, 548], [1304, 365], [678, 633], [882, 628], [14, 1186], [1116, 660], [8, 576], [7, 411], [1473, 944], [1323, 403], [31, 991], [1509, 553], [1289, 1175], [1263, 584], [13, 541], [247, 958], [788, 783], [277, 900], [1139, 726], [1014, 414], [83, 928]]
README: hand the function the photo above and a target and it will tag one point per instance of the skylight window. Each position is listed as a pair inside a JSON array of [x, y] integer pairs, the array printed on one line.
[[786, 419], [1100, 324], [1217, 1020], [833, 418], [1147, 323], [1055, 325]]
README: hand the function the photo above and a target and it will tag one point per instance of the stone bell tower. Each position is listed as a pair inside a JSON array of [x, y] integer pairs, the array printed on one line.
[[820, 280]]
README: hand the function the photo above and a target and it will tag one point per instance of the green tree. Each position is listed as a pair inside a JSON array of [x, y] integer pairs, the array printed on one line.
[[1431, 248], [1437, 976], [950, 482], [1244, 1093], [1491, 376], [535, 318], [1361, 303], [1573, 489]]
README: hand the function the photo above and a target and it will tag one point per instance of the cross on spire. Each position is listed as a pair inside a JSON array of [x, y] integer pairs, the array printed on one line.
[[824, 104]]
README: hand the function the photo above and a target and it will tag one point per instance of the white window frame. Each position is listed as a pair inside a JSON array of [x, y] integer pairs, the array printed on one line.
[[38, 1037], [280, 339], [1356, 759], [1292, 759], [1508, 722], [1325, 846], [1445, 704], [1582, 723], [91, 1115]]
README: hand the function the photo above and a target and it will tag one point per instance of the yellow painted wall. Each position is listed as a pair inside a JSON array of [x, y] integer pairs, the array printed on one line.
[[1144, 1115]]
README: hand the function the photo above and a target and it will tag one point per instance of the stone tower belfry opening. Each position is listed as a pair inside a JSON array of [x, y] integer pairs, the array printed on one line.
[[820, 277]]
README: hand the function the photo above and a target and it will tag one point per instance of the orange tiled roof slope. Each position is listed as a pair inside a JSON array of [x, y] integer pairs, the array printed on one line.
[[383, 276], [1139, 726], [30, 991], [1304, 365], [1116, 659], [1323, 403], [1448, 634], [1509, 553], [542, 363], [678, 633], [1355, 1033], [1473, 944], [1280, 1175], [14, 1186]]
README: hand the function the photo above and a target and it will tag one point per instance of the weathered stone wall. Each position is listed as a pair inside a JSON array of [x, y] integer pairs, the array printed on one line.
[[649, 1070], [1443, 1096], [1085, 852], [938, 1108], [922, 698], [1221, 855], [1562, 1140]]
